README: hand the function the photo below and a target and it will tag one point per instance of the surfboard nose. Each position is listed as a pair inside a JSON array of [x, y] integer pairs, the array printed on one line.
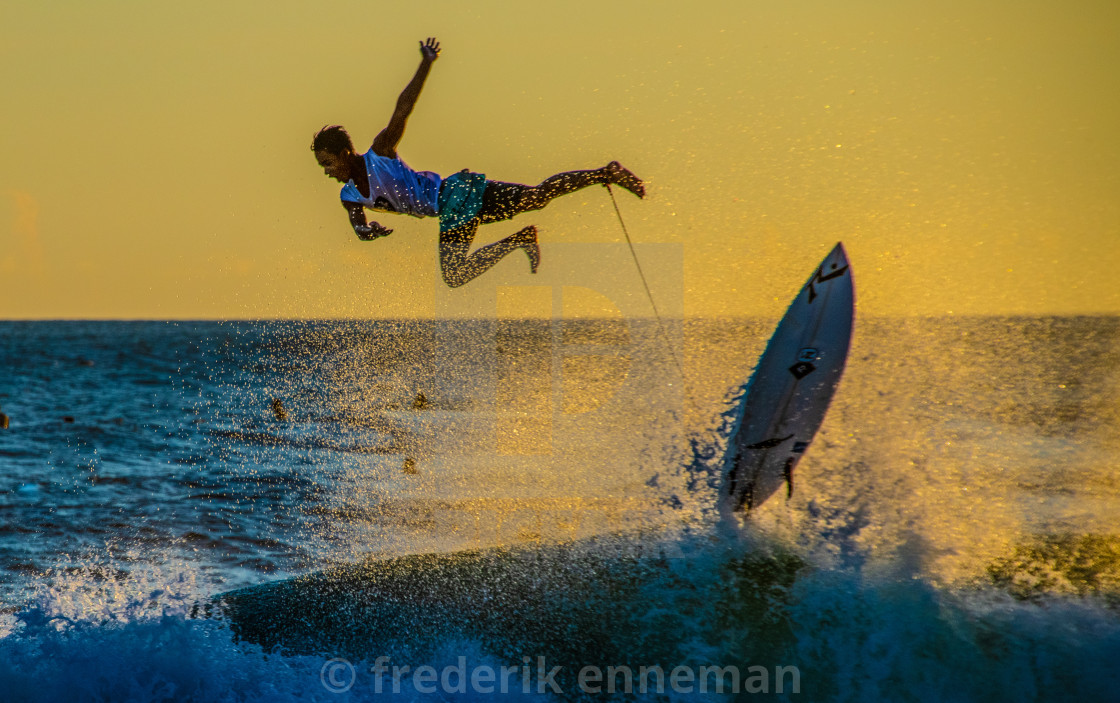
[[836, 259]]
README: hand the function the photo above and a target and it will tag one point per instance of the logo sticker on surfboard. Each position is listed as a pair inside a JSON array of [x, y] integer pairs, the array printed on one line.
[[821, 277], [809, 354], [802, 369], [805, 365]]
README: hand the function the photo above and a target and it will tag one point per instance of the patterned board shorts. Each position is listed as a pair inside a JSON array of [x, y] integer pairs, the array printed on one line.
[[464, 196]]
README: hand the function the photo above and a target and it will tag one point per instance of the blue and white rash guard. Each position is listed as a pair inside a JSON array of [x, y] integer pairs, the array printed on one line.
[[395, 187]]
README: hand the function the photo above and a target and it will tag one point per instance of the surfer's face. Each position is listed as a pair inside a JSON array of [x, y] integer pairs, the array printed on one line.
[[336, 166]]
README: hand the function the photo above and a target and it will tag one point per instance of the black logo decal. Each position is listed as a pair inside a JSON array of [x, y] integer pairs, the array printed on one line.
[[769, 443], [802, 369], [821, 278], [800, 447]]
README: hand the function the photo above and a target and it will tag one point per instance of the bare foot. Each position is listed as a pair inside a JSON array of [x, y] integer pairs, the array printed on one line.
[[528, 240], [618, 174]]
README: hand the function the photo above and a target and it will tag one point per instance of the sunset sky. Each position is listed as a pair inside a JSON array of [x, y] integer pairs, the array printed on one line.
[[156, 162]]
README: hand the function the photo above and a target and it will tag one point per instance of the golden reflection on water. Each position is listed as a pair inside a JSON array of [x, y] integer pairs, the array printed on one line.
[[952, 445]]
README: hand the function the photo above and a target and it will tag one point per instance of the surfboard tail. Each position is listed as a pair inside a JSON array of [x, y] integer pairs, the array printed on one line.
[[791, 388]]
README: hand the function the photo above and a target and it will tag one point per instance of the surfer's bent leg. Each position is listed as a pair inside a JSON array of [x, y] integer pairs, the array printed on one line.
[[459, 265]]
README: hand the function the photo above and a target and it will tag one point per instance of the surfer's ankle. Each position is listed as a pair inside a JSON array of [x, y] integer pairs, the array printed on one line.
[[624, 178], [531, 246]]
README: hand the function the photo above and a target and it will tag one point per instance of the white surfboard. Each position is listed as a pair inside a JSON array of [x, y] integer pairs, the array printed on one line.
[[791, 388]]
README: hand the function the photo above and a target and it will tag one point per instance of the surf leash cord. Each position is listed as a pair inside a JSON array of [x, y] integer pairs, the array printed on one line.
[[645, 284]]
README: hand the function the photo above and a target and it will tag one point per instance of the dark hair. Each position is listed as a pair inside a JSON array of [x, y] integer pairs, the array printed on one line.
[[333, 140]]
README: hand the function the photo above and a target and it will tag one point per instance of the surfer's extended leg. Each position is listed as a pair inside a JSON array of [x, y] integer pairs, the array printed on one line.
[[459, 265], [503, 201], [537, 197]]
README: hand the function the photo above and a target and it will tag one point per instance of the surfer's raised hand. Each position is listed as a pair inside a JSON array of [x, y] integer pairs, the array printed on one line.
[[429, 49]]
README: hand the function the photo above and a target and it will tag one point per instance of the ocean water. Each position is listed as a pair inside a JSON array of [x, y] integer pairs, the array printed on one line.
[[251, 511]]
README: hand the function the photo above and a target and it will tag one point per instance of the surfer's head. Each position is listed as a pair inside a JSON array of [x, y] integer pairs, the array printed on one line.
[[334, 151]]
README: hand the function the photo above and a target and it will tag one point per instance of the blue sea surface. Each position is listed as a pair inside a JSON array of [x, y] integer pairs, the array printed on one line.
[[952, 535]]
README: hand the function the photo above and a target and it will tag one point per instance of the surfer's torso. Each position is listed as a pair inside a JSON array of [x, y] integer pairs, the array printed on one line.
[[394, 187]]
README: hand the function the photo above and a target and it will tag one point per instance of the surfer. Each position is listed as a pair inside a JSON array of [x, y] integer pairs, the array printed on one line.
[[381, 181]]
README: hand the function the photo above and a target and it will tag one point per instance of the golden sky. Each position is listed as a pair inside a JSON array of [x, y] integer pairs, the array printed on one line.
[[156, 161]]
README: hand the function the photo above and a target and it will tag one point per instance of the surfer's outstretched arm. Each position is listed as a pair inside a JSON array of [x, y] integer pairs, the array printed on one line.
[[385, 143], [366, 232]]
